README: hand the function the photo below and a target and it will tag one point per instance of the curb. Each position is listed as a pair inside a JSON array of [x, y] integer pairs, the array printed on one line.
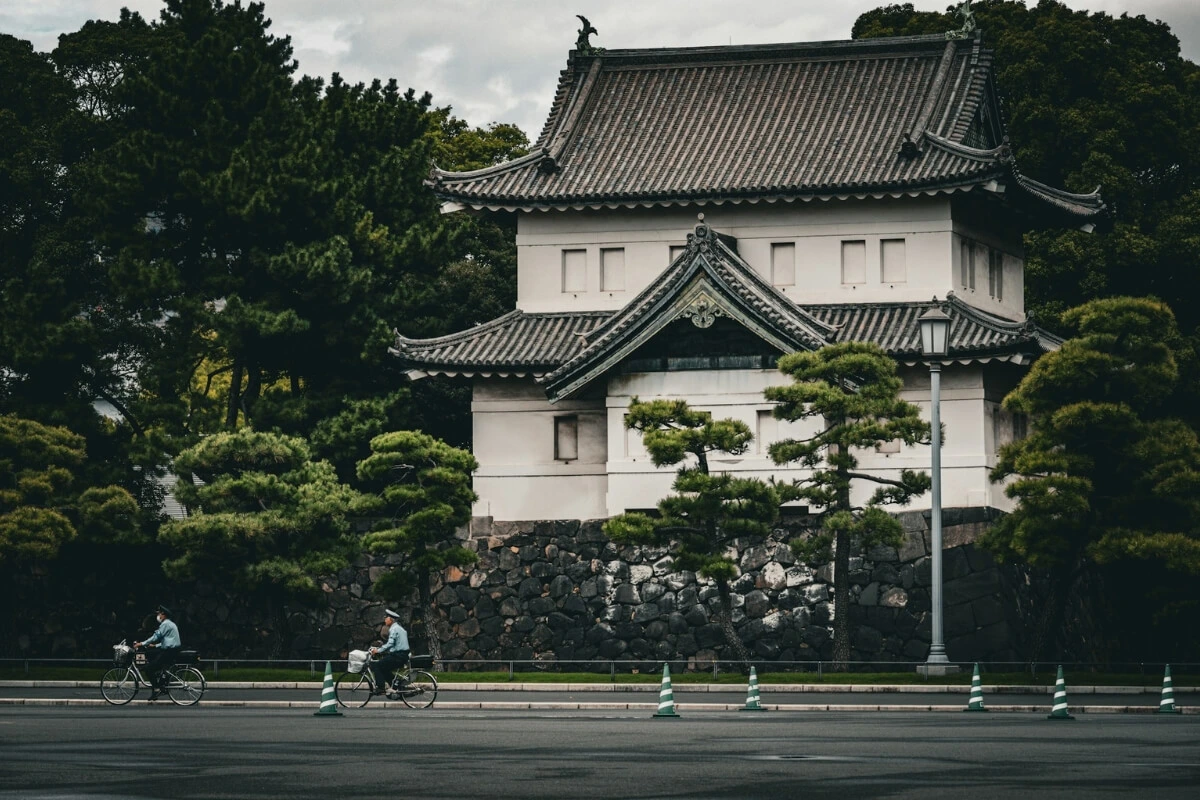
[[580, 706]]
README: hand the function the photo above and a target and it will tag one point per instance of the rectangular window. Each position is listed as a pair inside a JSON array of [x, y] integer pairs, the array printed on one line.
[[892, 268], [612, 269], [964, 258], [566, 438], [767, 432], [676, 252], [854, 262], [967, 263], [996, 274], [574, 271], [635, 450], [890, 447], [783, 264]]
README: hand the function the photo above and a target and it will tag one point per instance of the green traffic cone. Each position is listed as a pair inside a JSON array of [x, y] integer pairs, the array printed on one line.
[[328, 696], [1059, 711], [1167, 704], [752, 703], [976, 701], [666, 698]]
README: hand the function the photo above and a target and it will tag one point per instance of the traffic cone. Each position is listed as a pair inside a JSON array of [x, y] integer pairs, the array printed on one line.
[[976, 701], [666, 698], [752, 703], [1167, 704], [328, 696], [1059, 711]]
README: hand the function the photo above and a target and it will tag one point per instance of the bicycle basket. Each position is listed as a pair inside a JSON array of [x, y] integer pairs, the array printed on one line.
[[122, 655], [356, 660]]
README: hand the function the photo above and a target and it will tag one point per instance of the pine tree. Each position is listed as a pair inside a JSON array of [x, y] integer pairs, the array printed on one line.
[[708, 510], [853, 392], [423, 494], [265, 520], [1107, 474]]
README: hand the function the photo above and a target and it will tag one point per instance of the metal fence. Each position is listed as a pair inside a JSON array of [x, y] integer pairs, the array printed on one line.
[[1149, 672]]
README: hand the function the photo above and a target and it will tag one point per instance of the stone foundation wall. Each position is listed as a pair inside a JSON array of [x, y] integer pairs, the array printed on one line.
[[560, 590]]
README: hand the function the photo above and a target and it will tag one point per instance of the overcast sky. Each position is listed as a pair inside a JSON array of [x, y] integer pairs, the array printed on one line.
[[498, 60]]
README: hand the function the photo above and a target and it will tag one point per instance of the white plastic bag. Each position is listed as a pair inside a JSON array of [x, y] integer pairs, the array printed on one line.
[[357, 660]]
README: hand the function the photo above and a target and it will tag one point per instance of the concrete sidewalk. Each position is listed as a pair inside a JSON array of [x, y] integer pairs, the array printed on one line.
[[642, 697]]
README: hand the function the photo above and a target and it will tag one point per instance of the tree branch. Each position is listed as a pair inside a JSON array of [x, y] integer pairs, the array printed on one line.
[[877, 479], [125, 413], [213, 374]]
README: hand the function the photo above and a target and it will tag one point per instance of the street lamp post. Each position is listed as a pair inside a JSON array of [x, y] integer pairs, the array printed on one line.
[[935, 335]]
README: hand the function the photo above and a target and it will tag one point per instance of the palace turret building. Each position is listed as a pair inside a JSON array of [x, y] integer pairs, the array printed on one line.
[[687, 215]]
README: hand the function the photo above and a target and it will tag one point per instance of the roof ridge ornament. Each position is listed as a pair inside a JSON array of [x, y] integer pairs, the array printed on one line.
[[582, 44], [968, 28]]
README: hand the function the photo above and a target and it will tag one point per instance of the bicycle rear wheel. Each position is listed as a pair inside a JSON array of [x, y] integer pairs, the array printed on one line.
[[185, 685], [119, 685], [353, 689], [419, 689]]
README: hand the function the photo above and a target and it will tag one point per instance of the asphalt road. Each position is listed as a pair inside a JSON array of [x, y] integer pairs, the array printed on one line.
[[143, 752]]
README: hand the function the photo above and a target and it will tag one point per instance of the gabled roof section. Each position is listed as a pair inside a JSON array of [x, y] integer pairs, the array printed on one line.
[[865, 118], [542, 344], [708, 280]]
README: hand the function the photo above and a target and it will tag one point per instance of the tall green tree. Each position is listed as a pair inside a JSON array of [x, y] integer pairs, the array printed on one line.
[[708, 510], [266, 520], [212, 93], [1094, 100], [267, 234], [422, 495], [1108, 473], [852, 392]]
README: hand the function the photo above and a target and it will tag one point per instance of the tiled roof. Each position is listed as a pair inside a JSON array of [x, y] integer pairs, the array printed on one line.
[[761, 122], [516, 343], [569, 350], [894, 327]]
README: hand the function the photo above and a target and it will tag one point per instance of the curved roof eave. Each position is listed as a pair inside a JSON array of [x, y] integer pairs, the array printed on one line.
[[499, 204]]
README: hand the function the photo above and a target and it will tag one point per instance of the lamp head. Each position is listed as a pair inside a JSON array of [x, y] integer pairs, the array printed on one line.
[[935, 333]]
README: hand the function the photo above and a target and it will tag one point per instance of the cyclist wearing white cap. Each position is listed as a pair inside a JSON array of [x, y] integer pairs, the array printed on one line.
[[394, 651], [167, 639]]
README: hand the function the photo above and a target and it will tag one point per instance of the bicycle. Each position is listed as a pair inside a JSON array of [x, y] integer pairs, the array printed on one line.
[[185, 684], [415, 687]]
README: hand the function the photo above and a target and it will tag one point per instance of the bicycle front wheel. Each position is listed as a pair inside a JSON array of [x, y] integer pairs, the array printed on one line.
[[419, 690], [186, 686], [119, 685], [353, 689]]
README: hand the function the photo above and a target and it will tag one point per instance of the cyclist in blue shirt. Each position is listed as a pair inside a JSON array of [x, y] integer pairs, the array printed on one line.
[[163, 656], [395, 652]]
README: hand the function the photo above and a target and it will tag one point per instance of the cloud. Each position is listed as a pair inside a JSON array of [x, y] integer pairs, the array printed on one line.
[[499, 60]]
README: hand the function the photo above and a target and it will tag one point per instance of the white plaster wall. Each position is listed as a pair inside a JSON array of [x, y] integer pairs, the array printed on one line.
[[816, 228], [519, 479], [513, 440], [1012, 306], [511, 498]]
